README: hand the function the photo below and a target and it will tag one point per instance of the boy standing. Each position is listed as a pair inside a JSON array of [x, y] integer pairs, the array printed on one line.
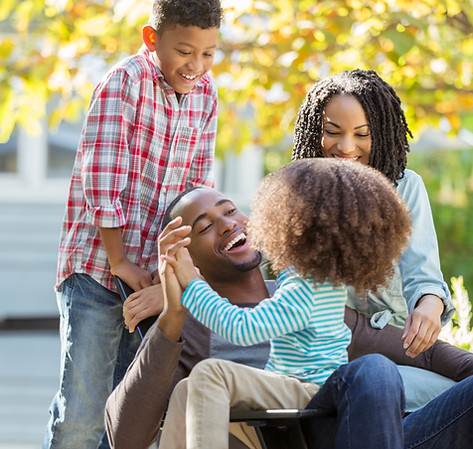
[[148, 135]]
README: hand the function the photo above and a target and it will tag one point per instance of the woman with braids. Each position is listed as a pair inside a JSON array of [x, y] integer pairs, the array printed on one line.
[[304, 318], [356, 115]]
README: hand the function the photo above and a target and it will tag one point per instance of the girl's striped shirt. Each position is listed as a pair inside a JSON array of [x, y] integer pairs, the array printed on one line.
[[303, 321]]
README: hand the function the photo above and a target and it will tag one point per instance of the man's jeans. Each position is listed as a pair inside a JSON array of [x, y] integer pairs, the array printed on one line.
[[95, 353], [445, 422], [368, 398]]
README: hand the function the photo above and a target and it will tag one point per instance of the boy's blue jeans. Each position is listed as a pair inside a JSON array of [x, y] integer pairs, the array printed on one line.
[[95, 353], [445, 422]]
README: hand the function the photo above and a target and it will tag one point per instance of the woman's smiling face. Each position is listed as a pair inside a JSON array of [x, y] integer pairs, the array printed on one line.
[[346, 131]]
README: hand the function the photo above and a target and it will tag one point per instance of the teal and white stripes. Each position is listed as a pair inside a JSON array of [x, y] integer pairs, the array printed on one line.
[[303, 321]]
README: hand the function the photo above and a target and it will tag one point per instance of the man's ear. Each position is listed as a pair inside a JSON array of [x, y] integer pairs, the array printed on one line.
[[149, 37]]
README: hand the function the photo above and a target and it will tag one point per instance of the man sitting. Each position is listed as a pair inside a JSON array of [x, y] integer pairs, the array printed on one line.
[[175, 344]]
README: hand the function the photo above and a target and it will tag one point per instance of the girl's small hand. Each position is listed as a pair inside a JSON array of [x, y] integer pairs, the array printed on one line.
[[179, 258], [423, 325], [172, 287], [172, 319]]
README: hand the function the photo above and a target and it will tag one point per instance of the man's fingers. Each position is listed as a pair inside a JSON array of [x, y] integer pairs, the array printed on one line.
[[175, 235], [173, 224], [175, 247], [174, 228]]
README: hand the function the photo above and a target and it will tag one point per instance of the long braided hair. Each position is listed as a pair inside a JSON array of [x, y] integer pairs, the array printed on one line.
[[382, 106]]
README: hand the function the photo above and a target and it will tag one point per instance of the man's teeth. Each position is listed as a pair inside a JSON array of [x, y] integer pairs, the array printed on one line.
[[189, 77], [235, 240]]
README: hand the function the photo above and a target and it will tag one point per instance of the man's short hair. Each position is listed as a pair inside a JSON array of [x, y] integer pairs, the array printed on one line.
[[204, 14], [167, 215]]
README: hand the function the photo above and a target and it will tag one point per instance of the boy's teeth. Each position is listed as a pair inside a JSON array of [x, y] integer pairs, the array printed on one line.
[[189, 77]]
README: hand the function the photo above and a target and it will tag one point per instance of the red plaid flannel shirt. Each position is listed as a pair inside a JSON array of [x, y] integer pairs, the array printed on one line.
[[139, 149]]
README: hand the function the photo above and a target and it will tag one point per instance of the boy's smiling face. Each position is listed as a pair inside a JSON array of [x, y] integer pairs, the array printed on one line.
[[184, 54]]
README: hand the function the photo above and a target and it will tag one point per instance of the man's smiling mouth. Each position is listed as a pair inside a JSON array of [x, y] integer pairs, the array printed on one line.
[[239, 240]]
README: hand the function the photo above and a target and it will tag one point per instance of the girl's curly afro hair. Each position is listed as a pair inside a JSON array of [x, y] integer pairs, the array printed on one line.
[[333, 220]]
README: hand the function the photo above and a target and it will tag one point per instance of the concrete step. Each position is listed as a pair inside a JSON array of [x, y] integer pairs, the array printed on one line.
[[29, 237], [29, 375]]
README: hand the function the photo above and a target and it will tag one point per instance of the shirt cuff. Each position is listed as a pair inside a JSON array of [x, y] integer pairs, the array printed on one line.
[[444, 295], [107, 216]]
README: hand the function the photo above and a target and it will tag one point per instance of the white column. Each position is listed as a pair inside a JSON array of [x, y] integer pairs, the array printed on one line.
[[242, 175], [32, 158]]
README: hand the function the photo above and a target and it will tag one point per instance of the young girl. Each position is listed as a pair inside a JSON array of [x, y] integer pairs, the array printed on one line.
[[323, 224], [356, 115]]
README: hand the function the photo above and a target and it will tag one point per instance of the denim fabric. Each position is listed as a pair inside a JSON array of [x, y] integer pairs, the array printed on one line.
[[95, 352], [445, 422], [368, 397], [419, 270]]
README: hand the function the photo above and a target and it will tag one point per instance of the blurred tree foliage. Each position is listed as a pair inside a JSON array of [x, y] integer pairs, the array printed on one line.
[[448, 176], [270, 54]]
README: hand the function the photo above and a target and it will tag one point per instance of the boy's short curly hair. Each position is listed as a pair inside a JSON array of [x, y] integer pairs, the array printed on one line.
[[382, 106], [204, 14], [334, 220]]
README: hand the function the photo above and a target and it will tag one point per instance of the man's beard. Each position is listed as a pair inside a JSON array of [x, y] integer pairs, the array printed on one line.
[[250, 265]]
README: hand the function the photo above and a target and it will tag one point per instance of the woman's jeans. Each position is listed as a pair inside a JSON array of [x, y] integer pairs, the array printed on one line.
[[367, 396], [445, 422], [95, 353]]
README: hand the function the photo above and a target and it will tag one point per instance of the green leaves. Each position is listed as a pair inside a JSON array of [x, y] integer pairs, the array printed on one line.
[[272, 53]]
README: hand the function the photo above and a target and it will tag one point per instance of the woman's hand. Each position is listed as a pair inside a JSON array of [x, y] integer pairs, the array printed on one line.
[[423, 325]]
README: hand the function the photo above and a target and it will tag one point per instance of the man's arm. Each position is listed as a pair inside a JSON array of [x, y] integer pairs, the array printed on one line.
[[135, 408]]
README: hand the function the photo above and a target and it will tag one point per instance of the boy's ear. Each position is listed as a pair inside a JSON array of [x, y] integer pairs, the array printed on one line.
[[149, 37]]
